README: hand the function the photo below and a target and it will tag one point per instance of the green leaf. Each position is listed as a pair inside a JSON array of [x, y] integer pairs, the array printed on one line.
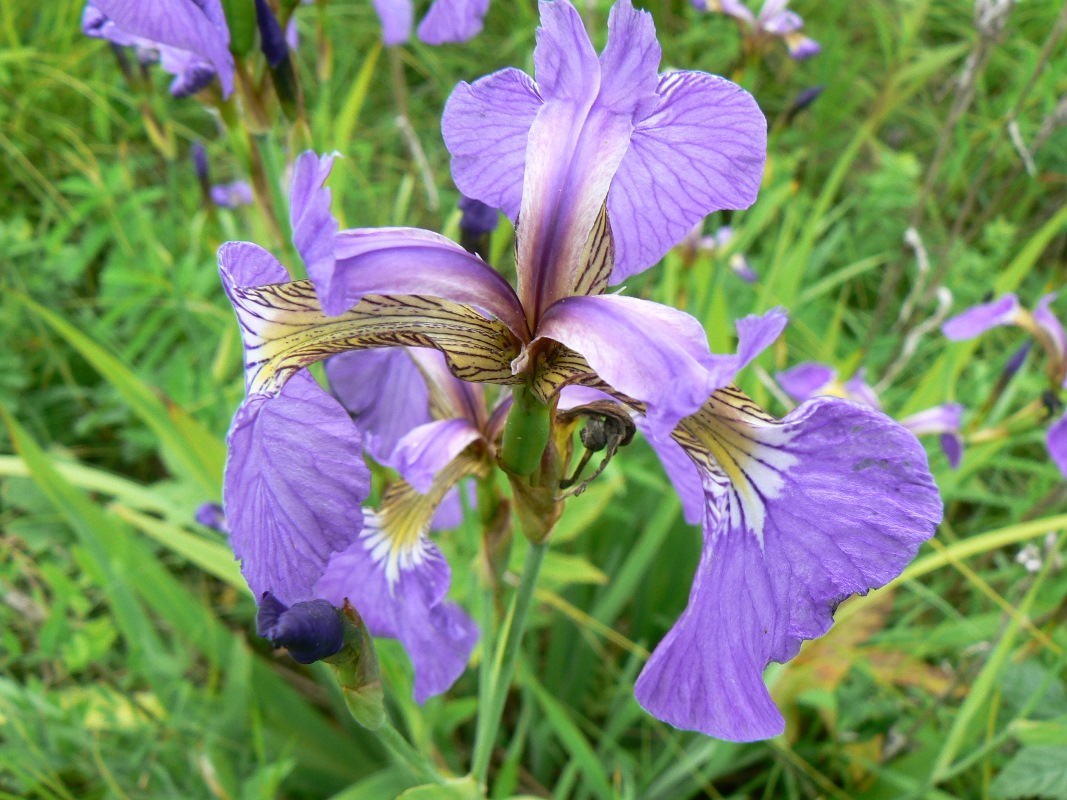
[[1038, 771], [460, 789], [187, 446]]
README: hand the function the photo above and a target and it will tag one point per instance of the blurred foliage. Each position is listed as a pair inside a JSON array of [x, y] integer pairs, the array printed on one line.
[[128, 664]]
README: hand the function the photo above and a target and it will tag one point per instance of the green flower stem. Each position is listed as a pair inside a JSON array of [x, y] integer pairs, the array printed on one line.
[[526, 432], [505, 656], [406, 753], [272, 177]]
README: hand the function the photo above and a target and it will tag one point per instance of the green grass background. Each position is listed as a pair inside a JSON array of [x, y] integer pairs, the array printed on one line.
[[128, 662]]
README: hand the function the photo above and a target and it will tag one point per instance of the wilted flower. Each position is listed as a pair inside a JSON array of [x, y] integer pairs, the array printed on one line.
[[774, 20], [1046, 328], [813, 379], [190, 37], [606, 166], [447, 21]]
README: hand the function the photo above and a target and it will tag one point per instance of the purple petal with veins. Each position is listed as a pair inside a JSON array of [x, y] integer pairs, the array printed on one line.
[[833, 500], [701, 150], [1056, 441]]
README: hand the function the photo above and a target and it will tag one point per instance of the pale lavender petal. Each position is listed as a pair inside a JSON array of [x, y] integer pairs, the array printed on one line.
[[981, 318], [859, 390], [682, 472], [650, 352], [779, 21], [740, 266], [937, 420], [405, 600], [397, 17], [1051, 324], [485, 126], [429, 448], [801, 47], [834, 500], [733, 8], [247, 264], [292, 34], [452, 21], [232, 195], [198, 27], [806, 380], [450, 397], [701, 150], [576, 143], [1056, 441], [210, 515], [294, 487], [386, 393], [311, 218]]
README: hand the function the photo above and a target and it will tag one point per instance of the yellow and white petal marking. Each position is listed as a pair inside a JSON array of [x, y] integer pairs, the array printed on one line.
[[742, 450], [284, 330], [396, 534]]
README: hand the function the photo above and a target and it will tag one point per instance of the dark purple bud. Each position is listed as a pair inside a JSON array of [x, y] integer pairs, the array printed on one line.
[[192, 80], [952, 445], [310, 630], [271, 35], [210, 516], [200, 162], [1017, 360], [803, 100], [477, 222]]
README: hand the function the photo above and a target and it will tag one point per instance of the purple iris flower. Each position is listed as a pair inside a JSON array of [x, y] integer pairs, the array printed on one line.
[[813, 379], [190, 37], [605, 166], [232, 195], [210, 515], [773, 20], [1045, 327], [447, 21]]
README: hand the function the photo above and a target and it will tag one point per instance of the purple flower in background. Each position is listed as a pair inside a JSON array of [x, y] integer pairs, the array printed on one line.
[[210, 515], [190, 37], [1046, 329], [232, 195], [774, 20], [718, 244], [813, 379], [605, 166], [447, 21]]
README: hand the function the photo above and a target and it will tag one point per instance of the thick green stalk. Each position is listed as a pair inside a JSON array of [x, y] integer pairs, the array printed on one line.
[[405, 752], [525, 433], [504, 664]]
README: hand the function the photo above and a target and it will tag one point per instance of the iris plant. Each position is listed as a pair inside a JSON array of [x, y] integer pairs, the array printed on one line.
[[605, 166], [774, 20], [1047, 330]]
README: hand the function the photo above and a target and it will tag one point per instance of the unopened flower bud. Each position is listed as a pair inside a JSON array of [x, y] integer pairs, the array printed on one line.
[[310, 630], [477, 222]]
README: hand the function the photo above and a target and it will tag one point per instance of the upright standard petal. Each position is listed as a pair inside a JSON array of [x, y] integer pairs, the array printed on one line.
[[385, 392], [981, 318], [294, 487], [197, 27], [701, 150], [832, 500], [451, 21], [577, 142], [429, 448], [485, 127], [310, 215]]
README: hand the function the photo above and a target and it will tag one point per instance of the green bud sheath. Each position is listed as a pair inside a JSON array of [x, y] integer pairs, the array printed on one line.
[[525, 433], [241, 20]]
